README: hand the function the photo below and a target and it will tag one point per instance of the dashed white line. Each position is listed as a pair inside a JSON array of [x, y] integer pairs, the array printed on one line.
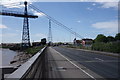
[[99, 59], [76, 65]]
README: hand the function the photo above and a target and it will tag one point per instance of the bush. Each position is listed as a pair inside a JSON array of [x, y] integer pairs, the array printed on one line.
[[33, 50], [14, 48], [107, 47]]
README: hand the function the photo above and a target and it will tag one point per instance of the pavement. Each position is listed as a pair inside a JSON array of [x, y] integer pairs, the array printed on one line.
[[60, 66], [103, 65]]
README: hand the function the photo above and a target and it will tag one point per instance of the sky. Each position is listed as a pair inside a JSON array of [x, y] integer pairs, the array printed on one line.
[[85, 17]]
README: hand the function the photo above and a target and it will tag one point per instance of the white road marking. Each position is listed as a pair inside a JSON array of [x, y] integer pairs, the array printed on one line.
[[99, 59], [76, 65]]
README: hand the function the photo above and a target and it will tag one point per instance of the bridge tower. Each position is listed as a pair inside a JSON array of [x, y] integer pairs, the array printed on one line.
[[50, 33], [25, 33]]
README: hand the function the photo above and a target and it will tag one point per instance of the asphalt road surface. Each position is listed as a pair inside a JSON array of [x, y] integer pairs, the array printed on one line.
[[103, 65]]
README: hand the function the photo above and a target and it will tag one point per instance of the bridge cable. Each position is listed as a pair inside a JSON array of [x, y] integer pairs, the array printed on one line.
[[55, 21]]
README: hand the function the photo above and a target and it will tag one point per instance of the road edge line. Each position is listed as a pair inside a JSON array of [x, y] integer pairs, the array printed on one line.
[[75, 65]]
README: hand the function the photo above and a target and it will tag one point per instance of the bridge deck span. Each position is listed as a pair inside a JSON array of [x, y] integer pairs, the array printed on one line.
[[60, 66], [49, 63]]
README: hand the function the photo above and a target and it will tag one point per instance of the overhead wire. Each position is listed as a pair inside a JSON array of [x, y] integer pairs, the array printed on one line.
[[55, 21]]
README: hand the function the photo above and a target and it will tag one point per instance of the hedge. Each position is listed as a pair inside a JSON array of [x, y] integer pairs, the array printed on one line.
[[107, 47]]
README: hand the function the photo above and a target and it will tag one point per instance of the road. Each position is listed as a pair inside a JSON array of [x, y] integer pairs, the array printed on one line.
[[105, 66], [60, 67]]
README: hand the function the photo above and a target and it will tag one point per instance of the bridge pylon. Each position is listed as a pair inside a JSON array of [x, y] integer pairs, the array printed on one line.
[[50, 34], [25, 34]]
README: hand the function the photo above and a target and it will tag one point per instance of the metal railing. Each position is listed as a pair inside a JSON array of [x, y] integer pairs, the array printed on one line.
[[33, 68]]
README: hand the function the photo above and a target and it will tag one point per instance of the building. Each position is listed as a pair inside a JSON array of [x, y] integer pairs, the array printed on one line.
[[87, 42]]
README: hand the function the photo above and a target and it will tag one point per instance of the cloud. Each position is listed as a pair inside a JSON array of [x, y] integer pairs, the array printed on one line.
[[40, 14], [19, 4], [104, 3], [6, 35], [107, 27], [2, 26], [11, 4], [93, 4], [17, 30], [40, 35], [14, 3], [109, 5], [10, 37], [89, 9], [100, 0], [60, 0], [76, 0], [78, 21]]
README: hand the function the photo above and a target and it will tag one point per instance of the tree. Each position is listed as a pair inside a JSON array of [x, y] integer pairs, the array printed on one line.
[[101, 38], [110, 39], [117, 37]]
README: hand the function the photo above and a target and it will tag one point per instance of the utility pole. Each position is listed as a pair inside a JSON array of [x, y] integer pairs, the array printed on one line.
[[25, 34], [50, 33]]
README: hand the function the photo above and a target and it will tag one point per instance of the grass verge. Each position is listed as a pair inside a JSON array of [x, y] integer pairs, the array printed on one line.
[[33, 50]]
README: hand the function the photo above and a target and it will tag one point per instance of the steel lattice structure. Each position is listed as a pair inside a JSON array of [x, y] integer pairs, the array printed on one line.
[[50, 33], [26, 15], [25, 34]]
